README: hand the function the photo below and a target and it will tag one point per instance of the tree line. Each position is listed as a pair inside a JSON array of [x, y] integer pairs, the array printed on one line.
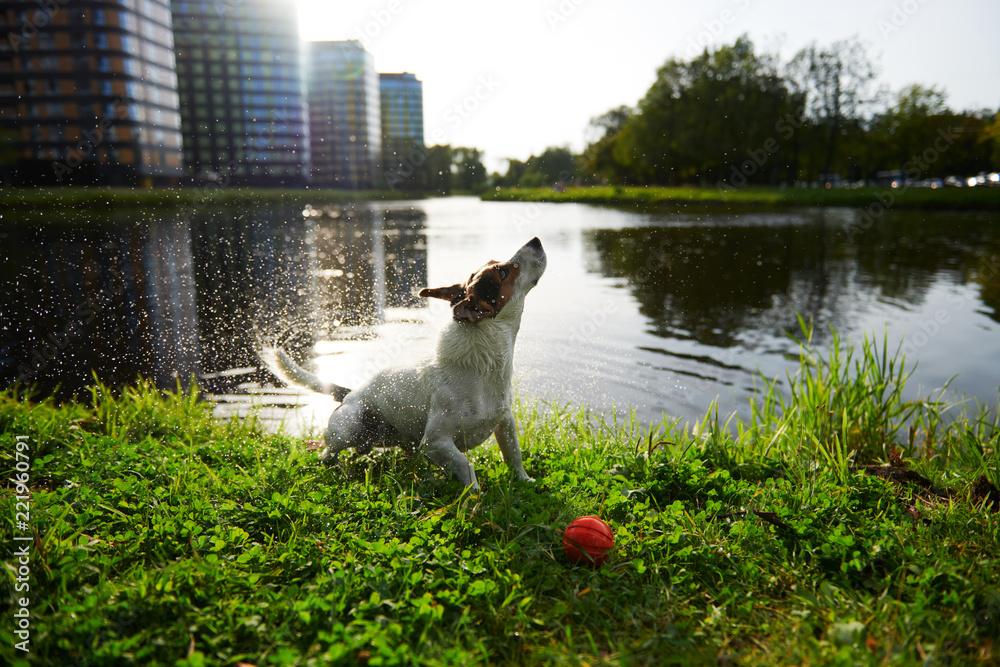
[[732, 116]]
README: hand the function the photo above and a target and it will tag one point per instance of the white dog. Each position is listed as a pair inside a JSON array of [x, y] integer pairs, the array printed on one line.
[[453, 402]]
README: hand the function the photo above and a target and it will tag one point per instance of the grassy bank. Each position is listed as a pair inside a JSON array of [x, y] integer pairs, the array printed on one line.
[[163, 537], [755, 197], [75, 199]]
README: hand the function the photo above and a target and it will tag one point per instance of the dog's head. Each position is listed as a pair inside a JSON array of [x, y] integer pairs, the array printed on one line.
[[494, 285]]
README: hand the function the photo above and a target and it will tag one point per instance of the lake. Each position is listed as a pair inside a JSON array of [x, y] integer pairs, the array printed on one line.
[[660, 313]]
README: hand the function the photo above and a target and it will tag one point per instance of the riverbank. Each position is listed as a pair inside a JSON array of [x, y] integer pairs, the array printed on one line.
[[75, 199], [981, 198], [157, 535]]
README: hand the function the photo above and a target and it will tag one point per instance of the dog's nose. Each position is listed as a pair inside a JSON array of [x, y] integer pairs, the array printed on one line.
[[534, 243]]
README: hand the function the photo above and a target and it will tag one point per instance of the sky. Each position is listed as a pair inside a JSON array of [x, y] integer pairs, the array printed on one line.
[[512, 77]]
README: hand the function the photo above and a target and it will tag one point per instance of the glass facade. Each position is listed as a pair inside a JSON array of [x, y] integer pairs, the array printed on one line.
[[242, 92], [402, 100], [88, 93], [344, 115]]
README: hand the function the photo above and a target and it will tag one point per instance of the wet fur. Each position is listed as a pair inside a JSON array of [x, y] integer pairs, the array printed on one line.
[[452, 402]]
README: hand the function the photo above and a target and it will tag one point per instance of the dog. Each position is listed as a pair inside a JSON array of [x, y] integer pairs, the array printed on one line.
[[452, 402]]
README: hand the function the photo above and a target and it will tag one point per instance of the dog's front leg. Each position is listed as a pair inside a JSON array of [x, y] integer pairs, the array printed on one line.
[[439, 447], [506, 433], [343, 431], [443, 452]]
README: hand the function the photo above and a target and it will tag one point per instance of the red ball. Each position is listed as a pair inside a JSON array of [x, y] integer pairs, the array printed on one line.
[[588, 540]]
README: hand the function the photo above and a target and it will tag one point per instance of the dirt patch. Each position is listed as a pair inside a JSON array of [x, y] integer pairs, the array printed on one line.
[[985, 493]]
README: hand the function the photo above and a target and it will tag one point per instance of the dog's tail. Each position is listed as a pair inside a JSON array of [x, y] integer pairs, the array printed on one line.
[[290, 372]]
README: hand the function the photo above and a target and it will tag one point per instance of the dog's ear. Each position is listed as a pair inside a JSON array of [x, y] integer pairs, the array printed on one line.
[[451, 294]]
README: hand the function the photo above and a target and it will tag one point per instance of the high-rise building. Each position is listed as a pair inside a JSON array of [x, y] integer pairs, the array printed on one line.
[[88, 93], [403, 151], [242, 91], [344, 115]]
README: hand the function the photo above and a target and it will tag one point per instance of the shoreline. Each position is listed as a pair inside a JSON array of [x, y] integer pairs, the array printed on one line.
[[756, 198], [195, 197], [77, 199]]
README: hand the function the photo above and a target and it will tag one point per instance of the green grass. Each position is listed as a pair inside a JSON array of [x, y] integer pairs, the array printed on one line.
[[980, 198], [46, 201], [165, 537]]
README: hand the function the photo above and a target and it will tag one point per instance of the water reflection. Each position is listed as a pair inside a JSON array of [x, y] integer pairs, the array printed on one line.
[[716, 281], [367, 260], [176, 298], [663, 313], [253, 273], [113, 300], [906, 253], [712, 283]]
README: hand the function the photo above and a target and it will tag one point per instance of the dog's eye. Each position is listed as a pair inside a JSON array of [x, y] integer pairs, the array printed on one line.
[[503, 274]]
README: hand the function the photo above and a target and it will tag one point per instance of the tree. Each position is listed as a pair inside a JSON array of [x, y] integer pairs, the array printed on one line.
[[702, 121], [470, 174], [966, 148], [515, 172], [554, 165], [598, 158], [733, 116], [911, 124], [438, 169], [991, 137], [836, 84], [648, 146]]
